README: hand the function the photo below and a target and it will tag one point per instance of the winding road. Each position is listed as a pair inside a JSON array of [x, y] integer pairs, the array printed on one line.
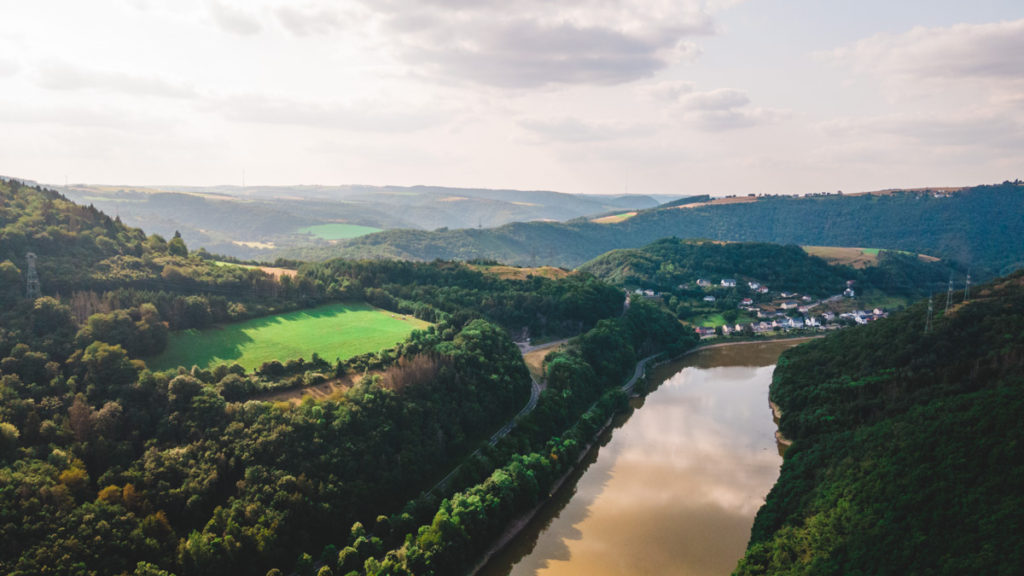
[[535, 389]]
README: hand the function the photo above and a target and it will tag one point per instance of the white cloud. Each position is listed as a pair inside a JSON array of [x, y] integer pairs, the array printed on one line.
[[233, 19], [311, 20], [715, 100], [722, 110], [9, 67], [73, 116], [969, 130], [531, 43], [668, 91], [57, 75], [364, 116], [994, 50], [567, 129]]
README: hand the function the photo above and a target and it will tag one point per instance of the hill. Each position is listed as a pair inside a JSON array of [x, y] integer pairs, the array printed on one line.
[[907, 446], [980, 227], [261, 221], [665, 264]]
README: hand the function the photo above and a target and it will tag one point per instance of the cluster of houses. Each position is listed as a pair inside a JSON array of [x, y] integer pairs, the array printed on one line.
[[824, 321]]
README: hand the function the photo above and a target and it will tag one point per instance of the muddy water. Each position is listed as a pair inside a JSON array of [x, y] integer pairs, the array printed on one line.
[[674, 488]]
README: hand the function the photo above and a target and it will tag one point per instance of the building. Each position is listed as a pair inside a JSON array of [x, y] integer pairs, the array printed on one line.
[[728, 282], [789, 305]]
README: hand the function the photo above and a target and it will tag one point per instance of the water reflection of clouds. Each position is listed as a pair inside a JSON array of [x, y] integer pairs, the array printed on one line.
[[676, 489]]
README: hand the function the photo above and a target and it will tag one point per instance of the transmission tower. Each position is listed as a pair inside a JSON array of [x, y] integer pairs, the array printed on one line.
[[949, 294], [928, 322], [32, 290], [967, 287]]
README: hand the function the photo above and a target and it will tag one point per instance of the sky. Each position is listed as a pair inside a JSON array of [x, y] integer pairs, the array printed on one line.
[[583, 96]]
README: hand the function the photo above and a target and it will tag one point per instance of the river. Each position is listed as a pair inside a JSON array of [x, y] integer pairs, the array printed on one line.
[[671, 489]]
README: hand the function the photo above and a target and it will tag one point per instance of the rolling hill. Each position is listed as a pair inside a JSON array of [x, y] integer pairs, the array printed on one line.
[[980, 227], [261, 222]]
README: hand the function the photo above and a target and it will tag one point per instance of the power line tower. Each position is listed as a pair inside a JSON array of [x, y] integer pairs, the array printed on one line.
[[967, 287], [928, 322], [32, 290], [949, 294]]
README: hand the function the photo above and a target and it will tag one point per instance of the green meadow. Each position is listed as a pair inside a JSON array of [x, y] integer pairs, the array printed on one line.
[[332, 331], [338, 231]]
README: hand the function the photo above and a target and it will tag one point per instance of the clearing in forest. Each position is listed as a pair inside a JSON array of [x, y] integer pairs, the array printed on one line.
[[517, 273], [614, 218], [338, 231], [854, 257], [332, 331]]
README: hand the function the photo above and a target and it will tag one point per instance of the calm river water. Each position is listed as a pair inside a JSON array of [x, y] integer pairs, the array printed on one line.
[[674, 488]]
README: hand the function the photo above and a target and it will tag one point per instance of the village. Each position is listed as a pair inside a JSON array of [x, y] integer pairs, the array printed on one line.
[[760, 310]]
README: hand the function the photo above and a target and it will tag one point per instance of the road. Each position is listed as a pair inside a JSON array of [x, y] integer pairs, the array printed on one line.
[[535, 389]]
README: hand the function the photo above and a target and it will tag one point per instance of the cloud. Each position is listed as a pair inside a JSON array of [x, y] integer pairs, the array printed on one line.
[[9, 68], [567, 129], [78, 116], [670, 91], [310, 20], [234, 20], [531, 43], [715, 100], [56, 75], [994, 50], [968, 130], [722, 110], [368, 116]]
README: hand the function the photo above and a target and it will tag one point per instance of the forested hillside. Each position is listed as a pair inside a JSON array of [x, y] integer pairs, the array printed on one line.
[[665, 264], [980, 227], [110, 468], [908, 446]]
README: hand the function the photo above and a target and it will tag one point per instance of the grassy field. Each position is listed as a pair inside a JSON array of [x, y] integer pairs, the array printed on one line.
[[332, 331], [338, 231], [855, 257], [275, 272], [614, 218]]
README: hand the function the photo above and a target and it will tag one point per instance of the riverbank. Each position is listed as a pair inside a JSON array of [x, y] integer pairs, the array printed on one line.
[[519, 524], [522, 522]]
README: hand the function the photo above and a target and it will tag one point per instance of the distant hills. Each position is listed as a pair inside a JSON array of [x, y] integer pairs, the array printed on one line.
[[981, 228], [265, 221]]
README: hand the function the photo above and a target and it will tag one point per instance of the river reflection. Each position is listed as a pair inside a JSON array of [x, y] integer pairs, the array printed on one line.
[[676, 488]]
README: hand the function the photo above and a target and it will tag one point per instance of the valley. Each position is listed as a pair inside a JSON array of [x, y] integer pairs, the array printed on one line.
[[383, 416]]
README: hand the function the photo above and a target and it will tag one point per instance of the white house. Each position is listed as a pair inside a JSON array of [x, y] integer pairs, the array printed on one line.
[[789, 305], [728, 282]]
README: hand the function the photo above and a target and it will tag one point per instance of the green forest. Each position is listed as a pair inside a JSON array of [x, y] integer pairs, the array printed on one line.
[[908, 446], [110, 467], [978, 227]]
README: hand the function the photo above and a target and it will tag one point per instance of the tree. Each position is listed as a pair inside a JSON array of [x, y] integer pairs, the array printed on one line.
[[176, 247]]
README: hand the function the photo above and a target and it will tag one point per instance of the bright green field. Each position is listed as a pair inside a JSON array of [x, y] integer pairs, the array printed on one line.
[[332, 331], [338, 231]]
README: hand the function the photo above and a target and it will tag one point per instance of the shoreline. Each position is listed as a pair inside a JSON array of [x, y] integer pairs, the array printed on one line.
[[516, 526], [521, 522]]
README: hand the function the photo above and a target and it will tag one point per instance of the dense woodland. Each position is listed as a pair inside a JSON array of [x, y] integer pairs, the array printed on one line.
[[977, 227], [908, 446], [668, 263], [107, 467]]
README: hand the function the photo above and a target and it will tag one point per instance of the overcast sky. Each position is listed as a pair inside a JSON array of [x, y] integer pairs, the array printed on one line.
[[596, 96]]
